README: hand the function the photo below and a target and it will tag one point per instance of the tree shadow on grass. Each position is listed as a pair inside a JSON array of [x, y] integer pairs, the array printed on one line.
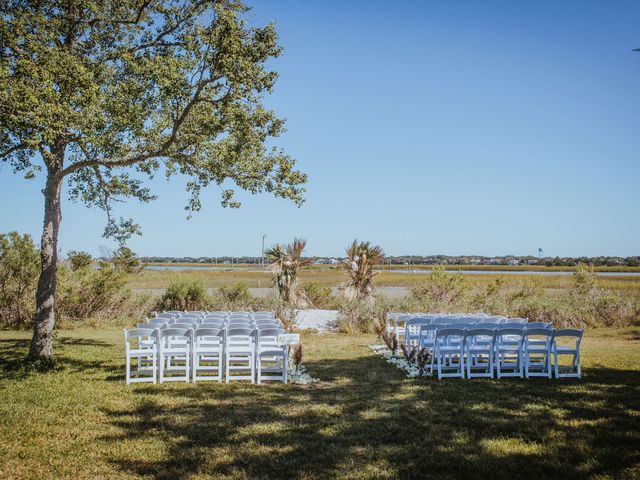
[[14, 351], [366, 420]]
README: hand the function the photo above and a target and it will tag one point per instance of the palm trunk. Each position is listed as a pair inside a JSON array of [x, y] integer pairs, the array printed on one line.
[[40, 349]]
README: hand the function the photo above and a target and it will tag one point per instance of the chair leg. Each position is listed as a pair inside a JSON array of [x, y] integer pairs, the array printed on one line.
[[285, 372], [128, 368], [252, 362], [259, 369], [187, 361], [154, 363]]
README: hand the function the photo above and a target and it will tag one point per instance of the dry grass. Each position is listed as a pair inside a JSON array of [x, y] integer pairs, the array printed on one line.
[[364, 420], [333, 277]]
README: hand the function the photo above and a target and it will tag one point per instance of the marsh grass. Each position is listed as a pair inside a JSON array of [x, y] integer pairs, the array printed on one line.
[[363, 420], [150, 279]]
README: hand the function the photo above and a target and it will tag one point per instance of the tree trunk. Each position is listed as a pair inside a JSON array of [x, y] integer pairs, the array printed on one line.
[[40, 350]]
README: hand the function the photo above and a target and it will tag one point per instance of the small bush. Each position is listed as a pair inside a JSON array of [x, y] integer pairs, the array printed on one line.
[[441, 290], [320, 296], [235, 293], [185, 296], [79, 259], [584, 279], [360, 316], [19, 269], [126, 260]]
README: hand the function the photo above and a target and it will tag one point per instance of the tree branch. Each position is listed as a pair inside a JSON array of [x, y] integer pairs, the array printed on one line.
[[15, 148]]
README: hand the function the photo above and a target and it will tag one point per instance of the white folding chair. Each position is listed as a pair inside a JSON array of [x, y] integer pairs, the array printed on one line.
[[400, 325], [209, 323], [240, 324], [166, 316], [239, 350], [489, 320], [186, 321], [207, 354], [572, 370], [271, 358], [520, 321], [479, 346], [508, 351], [268, 325], [174, 352], [412, 330], [537, 352], [390, 325], [140, 345], [159, 321], [531, 325], [449, 352]]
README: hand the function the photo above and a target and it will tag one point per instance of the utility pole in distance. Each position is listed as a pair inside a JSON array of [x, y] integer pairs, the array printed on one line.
[[262, 256]]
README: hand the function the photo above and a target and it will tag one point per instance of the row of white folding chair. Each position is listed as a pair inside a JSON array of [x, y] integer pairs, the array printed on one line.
[[245, 351], [510, 351], [397, 322], [427, 332], [259, 325], [228, 314], [413, 327]]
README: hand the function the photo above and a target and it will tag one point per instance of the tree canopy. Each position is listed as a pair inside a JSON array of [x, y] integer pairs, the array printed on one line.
[[176, 86], [104, 93]]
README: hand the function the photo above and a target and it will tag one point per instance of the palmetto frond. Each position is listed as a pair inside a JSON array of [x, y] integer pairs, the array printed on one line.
[[359, 266], [284, 262]]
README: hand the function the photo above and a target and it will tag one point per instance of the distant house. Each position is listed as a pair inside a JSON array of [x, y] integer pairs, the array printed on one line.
[[514, 262], [494, 261], [475, 261]]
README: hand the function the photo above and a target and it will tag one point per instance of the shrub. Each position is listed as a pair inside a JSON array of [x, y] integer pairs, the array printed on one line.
[[78, 260], [126, 260], [441, 290], [235, 293], [185, 295], [19, 268], [320, 296], [361, 316], [584, 279], [90, 296]]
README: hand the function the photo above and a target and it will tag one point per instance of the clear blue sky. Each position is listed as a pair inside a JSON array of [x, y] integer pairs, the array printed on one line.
[[484, 128]]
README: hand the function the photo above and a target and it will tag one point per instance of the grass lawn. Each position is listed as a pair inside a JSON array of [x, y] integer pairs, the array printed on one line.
[[363, 420]]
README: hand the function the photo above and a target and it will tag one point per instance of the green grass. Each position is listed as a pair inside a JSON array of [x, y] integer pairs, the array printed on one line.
[[363, 420]]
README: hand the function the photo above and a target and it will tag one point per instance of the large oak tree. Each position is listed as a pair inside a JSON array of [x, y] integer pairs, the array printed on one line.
[[102, 94]]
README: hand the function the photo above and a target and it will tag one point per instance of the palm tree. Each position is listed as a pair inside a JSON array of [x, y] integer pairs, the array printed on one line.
[[284, 261], [361, 259]]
